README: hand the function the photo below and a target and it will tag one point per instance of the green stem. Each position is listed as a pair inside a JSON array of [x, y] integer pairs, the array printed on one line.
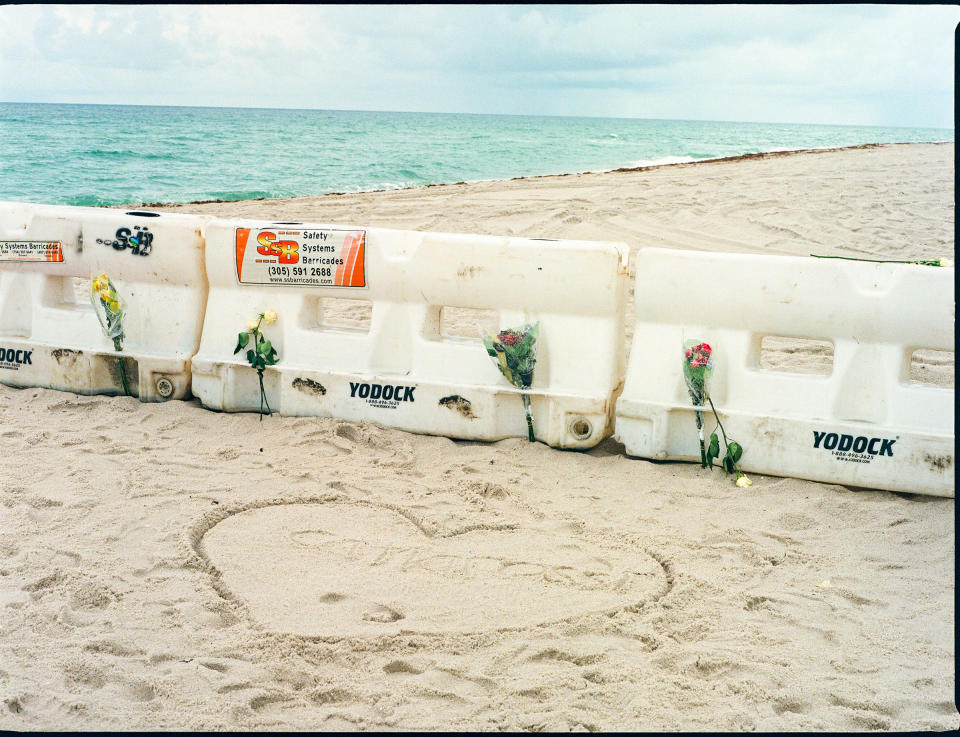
[[118, 345], [263, 396], [703, 448], [526, 406], [697, 392], [723, 432], [123, 377], [719, 424]]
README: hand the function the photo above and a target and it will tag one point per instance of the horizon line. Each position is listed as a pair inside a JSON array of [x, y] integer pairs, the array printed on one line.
[[517, 115]]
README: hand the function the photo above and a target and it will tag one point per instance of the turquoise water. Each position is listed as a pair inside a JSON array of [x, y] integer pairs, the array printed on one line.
[[116, 154]]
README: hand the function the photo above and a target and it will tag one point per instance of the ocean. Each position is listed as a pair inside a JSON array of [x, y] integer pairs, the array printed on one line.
[[127, 154]]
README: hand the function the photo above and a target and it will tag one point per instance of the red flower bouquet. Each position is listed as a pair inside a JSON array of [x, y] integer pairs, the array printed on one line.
[[697, 369], [515, 351]]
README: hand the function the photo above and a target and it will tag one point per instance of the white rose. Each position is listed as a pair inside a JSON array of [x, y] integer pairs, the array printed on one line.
[[948, 262], [252, 324], [270, 316], [743, 481]]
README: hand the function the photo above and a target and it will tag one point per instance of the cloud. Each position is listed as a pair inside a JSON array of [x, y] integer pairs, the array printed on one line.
[[799, 63]]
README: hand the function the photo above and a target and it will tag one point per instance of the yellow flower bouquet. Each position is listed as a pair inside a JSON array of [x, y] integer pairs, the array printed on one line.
[[110, 310]]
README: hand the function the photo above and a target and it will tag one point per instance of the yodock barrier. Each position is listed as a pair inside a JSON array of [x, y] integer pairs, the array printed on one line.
[[865, 424], [49, 332], [402, 370]]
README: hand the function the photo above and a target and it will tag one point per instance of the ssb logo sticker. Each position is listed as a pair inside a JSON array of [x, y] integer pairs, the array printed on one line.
[[309, 257], [139, 240], [287, 252]]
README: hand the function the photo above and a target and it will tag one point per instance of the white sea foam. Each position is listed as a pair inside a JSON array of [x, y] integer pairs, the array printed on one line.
[[662, 161]]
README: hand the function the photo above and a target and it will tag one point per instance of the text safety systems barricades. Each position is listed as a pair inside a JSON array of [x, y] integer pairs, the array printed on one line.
[[867, 423], [361, 333], [50, 335]]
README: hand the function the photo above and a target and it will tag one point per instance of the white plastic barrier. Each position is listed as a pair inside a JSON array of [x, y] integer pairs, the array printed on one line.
[[49, 332], [402, 372], [864, 425]]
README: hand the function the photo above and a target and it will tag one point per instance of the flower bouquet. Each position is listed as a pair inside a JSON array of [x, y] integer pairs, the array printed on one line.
[[110, 310], [262, 354], [515, 352], [697, 369]]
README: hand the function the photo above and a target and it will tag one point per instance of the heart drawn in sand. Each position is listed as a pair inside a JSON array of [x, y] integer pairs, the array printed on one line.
[[343, 570]]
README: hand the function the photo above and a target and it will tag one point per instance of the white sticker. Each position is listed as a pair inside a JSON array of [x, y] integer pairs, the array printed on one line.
[[46, 251]]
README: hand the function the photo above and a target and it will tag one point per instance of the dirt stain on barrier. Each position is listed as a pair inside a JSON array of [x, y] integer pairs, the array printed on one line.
[[61, 353], [938, 463], [469, 271], [309, 386], [458, 403]]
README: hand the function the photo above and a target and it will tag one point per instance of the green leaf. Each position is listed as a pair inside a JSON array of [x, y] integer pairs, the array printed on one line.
[[242, 340], [251, 356], [264, 348], [734, 450], [713, 451], [728, 464]]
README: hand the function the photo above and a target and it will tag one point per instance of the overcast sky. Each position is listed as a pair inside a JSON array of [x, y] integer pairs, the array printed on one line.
[[864, 65]]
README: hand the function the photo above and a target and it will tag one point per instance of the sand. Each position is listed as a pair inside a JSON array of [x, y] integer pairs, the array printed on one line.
[[167, 567]]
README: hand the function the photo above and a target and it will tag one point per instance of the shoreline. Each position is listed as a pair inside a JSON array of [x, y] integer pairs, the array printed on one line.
[[622, 169]]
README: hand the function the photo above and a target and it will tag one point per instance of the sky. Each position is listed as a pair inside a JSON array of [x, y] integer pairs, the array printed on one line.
[[888, 65]]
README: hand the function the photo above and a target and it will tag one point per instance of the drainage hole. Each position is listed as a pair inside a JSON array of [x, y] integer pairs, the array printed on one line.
[[581, 429]]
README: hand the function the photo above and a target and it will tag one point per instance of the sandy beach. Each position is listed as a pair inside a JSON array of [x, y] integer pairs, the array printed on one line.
[[167, 567]]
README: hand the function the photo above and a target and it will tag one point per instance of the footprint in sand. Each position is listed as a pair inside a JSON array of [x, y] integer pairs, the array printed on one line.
[[401, 666], [381, 613], [331, 598]]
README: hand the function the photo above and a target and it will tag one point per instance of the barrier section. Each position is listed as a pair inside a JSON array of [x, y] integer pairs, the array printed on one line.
[[866, 424], [49, 333], [398, 367]]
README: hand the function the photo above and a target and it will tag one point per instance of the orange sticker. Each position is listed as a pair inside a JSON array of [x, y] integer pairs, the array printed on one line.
[[301, 258], [44, 251]]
